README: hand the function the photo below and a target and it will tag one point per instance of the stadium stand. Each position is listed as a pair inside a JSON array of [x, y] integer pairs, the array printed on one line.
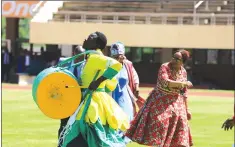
[[150, 29], [155, 12]]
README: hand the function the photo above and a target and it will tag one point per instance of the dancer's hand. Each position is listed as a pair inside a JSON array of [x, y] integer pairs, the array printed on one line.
[[186, 84], [189, 84], [189, 115], [228, 124], [136, 93], [94, 85]]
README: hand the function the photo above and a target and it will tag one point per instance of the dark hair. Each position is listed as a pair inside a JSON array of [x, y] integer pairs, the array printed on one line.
[[185, 54], [96, 40], [101, 40]]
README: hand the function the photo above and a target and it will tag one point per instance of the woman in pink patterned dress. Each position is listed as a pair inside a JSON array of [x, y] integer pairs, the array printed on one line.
[[163, 120]]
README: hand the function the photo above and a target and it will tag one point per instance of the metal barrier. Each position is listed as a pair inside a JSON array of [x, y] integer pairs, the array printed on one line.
[[145, 18]]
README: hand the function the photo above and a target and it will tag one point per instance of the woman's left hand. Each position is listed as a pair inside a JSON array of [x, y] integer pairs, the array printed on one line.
[[136, 93], [189, 115], [189, 84]]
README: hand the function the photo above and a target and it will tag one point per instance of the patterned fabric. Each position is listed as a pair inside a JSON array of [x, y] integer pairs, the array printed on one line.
[[166, 73], [162, 121], [117, 49]]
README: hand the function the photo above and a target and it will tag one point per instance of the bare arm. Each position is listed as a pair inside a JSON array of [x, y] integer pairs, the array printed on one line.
[[165, 81], [176, 84]]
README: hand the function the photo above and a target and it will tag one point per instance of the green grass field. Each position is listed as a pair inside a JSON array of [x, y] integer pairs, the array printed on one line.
[[23, 125]]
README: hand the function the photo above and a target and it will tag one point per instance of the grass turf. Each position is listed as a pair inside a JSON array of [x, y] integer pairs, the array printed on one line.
[[24, 125]]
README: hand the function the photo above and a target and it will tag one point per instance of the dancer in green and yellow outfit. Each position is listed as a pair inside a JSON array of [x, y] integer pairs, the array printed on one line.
[[97, 119]]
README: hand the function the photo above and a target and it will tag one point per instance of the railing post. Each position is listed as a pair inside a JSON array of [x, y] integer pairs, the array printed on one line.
[[164, 19], [83, 18], [132, 19], [229, 20], [115, 18], [99, 17], [147, 20], [180, 20], [213, 20], [67, 18]]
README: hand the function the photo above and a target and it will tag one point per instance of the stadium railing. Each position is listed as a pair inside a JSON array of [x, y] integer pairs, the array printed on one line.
[[144, 18]]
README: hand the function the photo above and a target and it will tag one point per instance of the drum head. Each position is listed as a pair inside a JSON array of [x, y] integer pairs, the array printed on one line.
[[54, 99]]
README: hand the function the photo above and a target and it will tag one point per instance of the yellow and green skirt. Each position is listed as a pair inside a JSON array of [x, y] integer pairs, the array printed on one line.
[[99, 120]]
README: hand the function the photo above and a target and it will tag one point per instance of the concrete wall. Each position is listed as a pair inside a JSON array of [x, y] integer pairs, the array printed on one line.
[[138, 35]]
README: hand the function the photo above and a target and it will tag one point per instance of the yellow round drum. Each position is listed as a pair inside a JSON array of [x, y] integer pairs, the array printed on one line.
[[56, 92]]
